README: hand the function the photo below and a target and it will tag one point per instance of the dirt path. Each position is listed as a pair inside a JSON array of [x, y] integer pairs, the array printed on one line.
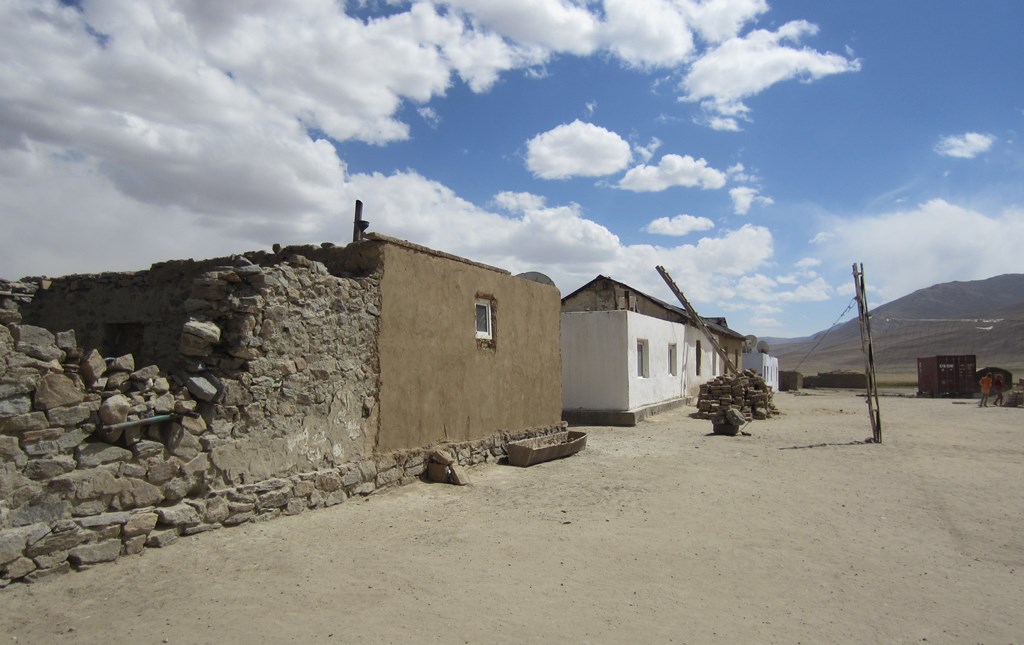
[[653, 534]]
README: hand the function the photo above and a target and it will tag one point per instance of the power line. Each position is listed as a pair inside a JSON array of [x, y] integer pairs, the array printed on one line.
[[853, 301]]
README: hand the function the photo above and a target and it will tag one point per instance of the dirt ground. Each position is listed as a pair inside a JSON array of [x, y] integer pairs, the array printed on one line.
[[660, 533]]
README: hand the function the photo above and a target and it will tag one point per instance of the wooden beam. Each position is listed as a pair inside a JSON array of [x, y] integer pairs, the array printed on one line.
[[697, 319]]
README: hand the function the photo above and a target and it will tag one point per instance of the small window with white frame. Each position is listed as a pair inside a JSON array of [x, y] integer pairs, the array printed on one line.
[[672, 359], [484, 319], [643, 358]]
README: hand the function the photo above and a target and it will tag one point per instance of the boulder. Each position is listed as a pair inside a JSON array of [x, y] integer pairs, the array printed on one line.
[[57, 390]]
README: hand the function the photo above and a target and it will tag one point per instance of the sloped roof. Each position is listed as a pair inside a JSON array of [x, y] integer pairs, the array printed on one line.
[[717, 324]]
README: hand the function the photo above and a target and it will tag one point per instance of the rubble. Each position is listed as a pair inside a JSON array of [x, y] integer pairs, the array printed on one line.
[[730, 402]]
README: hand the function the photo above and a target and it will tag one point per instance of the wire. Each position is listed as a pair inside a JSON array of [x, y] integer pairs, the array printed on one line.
[[853, 301]]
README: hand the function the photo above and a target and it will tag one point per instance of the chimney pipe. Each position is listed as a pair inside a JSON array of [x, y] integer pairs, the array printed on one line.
[[359, 224]]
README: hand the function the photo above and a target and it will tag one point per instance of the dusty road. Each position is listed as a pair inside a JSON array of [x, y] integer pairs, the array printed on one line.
[[653, 534]]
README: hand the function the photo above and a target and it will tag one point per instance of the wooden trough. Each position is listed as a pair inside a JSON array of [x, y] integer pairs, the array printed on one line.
[[528, 452]]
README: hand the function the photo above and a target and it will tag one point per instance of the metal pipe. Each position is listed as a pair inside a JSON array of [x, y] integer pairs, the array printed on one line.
[[357, 225], [160, 418]]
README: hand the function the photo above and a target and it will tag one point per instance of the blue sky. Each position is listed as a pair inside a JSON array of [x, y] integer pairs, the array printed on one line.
[[755, 149]]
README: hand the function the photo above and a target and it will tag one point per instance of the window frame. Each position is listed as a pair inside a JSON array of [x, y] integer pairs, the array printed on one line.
[[643, 358], [486, 334]]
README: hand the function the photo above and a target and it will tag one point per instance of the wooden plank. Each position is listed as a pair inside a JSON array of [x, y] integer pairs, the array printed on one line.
[[697, 319]]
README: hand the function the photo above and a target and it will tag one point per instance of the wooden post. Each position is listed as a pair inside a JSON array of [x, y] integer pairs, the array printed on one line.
[[869, 353], [697, 320]]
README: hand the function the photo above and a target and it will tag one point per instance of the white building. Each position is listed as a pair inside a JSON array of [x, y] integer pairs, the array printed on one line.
[[764, 364], [626, 355]]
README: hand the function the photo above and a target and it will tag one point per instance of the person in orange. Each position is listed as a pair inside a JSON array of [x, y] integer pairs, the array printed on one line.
[[997, 387], [986, 385]]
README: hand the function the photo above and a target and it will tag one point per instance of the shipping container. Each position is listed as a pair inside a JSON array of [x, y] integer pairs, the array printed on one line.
[[948, 376]]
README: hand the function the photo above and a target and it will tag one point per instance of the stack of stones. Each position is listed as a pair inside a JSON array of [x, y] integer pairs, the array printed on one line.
[[727, 398], [12, 295]]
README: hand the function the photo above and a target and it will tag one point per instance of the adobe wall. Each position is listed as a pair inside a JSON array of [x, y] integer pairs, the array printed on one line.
[[268, 403], [438, 382]]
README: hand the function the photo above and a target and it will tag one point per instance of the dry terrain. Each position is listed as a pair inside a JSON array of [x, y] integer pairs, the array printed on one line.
[[799, 533]]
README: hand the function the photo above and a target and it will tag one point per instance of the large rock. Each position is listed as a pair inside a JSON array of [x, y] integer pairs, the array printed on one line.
[[139, 524], [13, 541], [206, 331], [15, 406], [124, 363], [36, 342], [137, 493], [201, 388], [92, 367], [91, 455], [23, 422], [115, 409], [57, 390], [105, 551], [178, 515], [70, 415]]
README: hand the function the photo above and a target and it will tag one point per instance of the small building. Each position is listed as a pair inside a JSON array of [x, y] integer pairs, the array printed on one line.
[[947, 376], [626, 354], [790, 381], [200, 394], [765, 365]]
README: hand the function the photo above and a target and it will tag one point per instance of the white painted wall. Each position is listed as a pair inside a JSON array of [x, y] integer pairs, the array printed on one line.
[[765, 365], [659, 385], [595, 360], [599, 360]]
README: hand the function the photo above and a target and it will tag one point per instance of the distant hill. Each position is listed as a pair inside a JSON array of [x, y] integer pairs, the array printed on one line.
[[980, 317]]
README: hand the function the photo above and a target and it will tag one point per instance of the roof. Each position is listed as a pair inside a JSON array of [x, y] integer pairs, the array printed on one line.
[[717, 324]]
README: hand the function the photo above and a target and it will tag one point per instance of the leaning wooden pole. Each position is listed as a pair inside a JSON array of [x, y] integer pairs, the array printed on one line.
[[869, 353], [697, 319]]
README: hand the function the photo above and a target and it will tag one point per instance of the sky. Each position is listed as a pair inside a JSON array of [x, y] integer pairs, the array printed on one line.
[[755, 149]]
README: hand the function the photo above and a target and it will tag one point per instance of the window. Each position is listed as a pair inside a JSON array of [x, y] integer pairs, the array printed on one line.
[[699, 355], [672, 359], [643, 359], [484, 326]]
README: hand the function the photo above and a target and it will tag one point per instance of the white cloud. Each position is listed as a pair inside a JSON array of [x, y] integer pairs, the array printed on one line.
[[903, 251], [742, 67], [647, 32], [679, 225], [644, 153], [717, 20], [673, 170], [552, 24], [743, 197], [138, 132], [430, 115], [577, 150], [965, 146]]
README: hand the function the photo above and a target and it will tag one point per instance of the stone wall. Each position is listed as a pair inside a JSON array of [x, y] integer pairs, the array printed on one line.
[[265, 401], [746, 393]]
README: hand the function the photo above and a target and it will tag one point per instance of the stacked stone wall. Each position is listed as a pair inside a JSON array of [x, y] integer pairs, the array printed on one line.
[[267, 406], [746, 393]]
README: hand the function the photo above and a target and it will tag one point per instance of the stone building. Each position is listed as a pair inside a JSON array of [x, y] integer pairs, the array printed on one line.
[[626, 354], [137, 407]]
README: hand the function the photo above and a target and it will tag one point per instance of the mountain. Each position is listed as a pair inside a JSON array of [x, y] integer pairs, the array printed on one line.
[[980, 317]]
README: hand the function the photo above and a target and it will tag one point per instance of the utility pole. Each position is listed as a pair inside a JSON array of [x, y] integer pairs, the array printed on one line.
[[869, 353]]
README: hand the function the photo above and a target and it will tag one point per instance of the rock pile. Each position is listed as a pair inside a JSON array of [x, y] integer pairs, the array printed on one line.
[[726, 399]]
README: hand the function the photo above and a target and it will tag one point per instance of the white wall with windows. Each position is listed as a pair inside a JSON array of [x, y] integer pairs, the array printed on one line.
[[651, 340], [622, 360]]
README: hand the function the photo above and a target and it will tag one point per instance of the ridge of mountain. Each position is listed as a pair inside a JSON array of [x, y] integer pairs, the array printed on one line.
[[980, 317]]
